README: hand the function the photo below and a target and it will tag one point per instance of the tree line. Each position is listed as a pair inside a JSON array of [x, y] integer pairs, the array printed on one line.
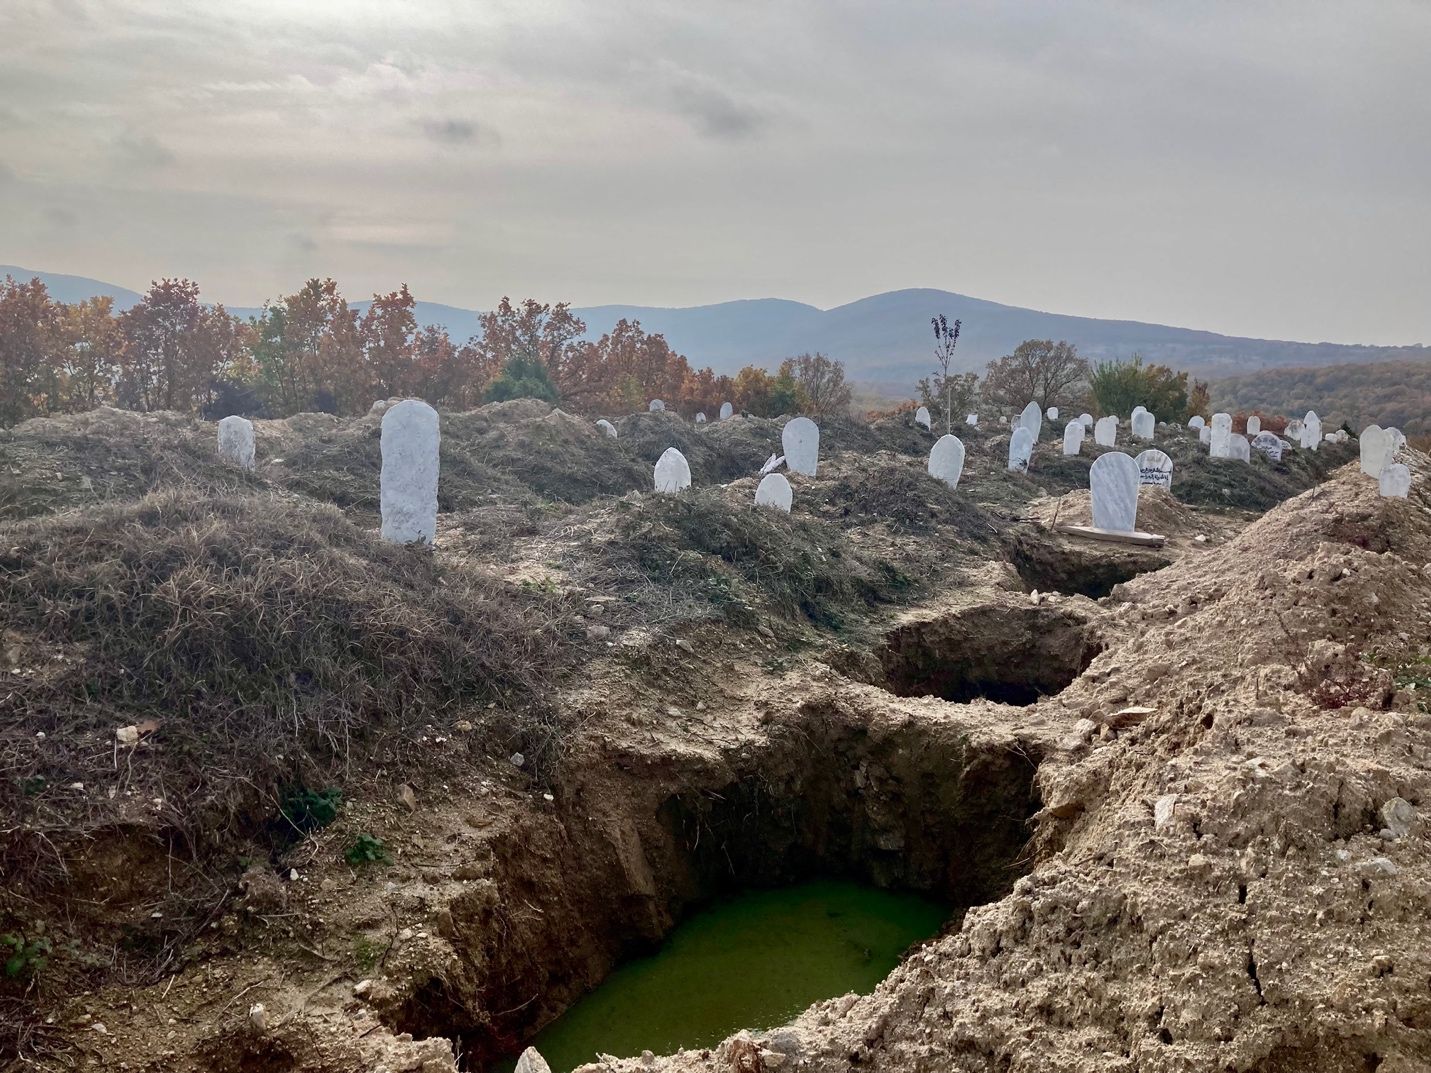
[[312, 351]]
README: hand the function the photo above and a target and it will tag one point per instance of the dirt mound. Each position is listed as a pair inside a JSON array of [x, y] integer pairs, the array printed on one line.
[[717, 451], [886, 489]]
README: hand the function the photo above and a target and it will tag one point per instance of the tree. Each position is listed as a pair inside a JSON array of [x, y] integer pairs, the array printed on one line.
[[820, 386], [1040, 371], [30, 337], [524, 377], [1118, 386], [175, 349], [946, 338], [307, 345], [535, 332], [946, 396], [91, 357], [388, 336]]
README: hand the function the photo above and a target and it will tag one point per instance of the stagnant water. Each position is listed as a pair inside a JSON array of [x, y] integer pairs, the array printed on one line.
[[754, 961]]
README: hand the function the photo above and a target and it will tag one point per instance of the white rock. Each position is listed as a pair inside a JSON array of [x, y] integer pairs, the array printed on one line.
[[946, 460], [127, 735], [258, 1017], [1021, 443], [1113, 485], [800, 439], [236, 442], [1398, 814], [531, 1061], [1163, 811], [972, 420], [408, 484], [673, 472], [607, 427], [771, 464], [1155, 469], [774, 491], [1073, 437]]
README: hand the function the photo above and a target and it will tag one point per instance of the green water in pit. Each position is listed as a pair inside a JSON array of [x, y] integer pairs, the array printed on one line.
[[754, 961]]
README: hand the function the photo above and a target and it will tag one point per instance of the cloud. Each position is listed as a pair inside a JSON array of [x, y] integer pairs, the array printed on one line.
[[142, 151], [713, 111], [458, 133]]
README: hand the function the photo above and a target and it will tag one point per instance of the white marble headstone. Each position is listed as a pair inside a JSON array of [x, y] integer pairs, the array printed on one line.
[[1220, 442], [1086, 420], [971, 419], [1032, 419], [946, 460], [1196, 421], [1293, 431], [1238, 448], [801, 439], [1051, 413], [1143, 425], [700, 418], [607, 427], [1269, 444], [407, 486], [921, 416], [1105, 432], [1113, 484], [673, 472], [656, 406], [774, 491], [1021, 443], [726, 409], [1073, 434], [1155, 469], [1398, 440], [1312, 430], [1395, 481], [236, 441], [1376, 450], [1254, 425]]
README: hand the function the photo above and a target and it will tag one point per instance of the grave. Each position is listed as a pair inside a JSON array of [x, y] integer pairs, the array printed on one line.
[[1086, 420], [236, 442], [407, 485], [1143, 425], [656, 406], [726, 409], [1376, 450], [1395, 481], [801, 440], [673, 472], [1196, 421], [1220, 443], [607, 427], [1293, 431], [1204, 434], [1254, 425], [972, 420], [1032, 419], [1113, 482], [1311, 431], [1269, 444], [1155, 469], [921, 416], [774, 491], [1021, 444], [1238, 448], [946, 460], [1105, 432], [700, 418], [1051, 413], [1073, 434]]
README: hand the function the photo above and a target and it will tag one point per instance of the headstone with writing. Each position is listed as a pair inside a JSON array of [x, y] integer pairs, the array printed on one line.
[[407, 485], [1021, 443], [1269, 444], [1051, 413], [1196, 421], [1238, 448], [236, 441], [1155, 469], [1376, 450], [673, 472], [1254, 425], [726, 409], [656, 406], [774, 491], [1105, 432], [607, 427], [801, 439], [1311, 431], [1032, 419], [1395, 481], [1073, 437], [1113, 484], [946, 460], [921, 416], [1143, 425]]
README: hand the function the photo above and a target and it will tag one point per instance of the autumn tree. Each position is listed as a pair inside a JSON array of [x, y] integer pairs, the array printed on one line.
[[387, 334], [1040, 371], [91, 356], [820, 387], [945, 396], [308, 352], [175, 349], [30, 338], [534, 332], [1118, 386]]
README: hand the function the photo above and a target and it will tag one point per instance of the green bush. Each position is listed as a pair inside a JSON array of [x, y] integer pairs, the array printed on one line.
[[23, 957], [309, 810], [366, 849]]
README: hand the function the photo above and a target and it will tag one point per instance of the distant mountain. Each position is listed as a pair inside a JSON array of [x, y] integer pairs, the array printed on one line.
[[74, 288], [884, 339]]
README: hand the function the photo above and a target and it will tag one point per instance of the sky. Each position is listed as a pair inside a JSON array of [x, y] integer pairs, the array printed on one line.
[[1254, 168]]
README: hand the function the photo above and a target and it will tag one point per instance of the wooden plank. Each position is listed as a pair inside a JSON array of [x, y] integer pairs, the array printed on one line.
[[1147, 540]]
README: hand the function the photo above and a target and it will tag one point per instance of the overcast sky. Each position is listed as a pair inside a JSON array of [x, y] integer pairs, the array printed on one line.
[[1253, 168]]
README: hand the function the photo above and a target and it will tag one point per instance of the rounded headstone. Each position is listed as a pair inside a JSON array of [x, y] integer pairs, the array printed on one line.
[[1032, 419], [1311, 431], [1196, 421], [407, 486], [1155, 469], [972, 420], [801, 440], [1376, 450], [921, 416], [673, 472], [1269, 444], [1254, 425], [1086, 420], [1073, 437], [946, 460], [236, 441], [726, 409], [1105, 431], [1220, 443], [1395, 481], [656, 406], [700, 419], [1021, 443], [1051, 413], [1238, 448], [1143, 425], [774, 491], [1113, 485], [607, 427], [1204, 434]]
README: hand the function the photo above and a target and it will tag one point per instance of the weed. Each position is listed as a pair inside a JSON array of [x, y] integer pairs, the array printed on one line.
[[23, 957], [366, 953], [309, 810], [366, 849]]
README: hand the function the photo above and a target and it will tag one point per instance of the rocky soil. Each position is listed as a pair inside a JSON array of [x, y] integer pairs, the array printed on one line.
[[1177, 794]]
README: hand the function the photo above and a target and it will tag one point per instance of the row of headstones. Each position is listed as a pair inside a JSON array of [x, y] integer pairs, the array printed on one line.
[[1378, 459], [657, 406]]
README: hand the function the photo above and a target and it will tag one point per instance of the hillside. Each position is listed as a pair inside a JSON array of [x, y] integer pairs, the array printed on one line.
[[884, 339], [1394, 392]]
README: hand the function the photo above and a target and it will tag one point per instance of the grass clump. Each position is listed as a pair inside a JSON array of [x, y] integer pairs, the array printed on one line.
[[366, 849]]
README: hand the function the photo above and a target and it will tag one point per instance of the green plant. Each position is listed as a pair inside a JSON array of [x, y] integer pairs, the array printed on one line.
[[309, 810], [366, 953], [23, 957], [366, 849]]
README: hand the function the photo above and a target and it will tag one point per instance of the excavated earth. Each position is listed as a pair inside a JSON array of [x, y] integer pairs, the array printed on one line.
[[1177, 795]]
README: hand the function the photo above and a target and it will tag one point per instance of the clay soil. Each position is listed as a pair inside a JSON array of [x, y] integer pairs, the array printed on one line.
[[1175, 795]]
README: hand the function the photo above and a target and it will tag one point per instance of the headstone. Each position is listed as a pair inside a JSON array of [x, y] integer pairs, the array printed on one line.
[[236, 441], [1375, 450], [1086, 420], [1105, 432], [1143, 424], [1003, 420], [1270, 444], [946, 460], [1113, 484], [1311, 430], [726, 409], [1032, 419], [673, 472], [971, 419], [921, 416], [1293, 431], [700, 418], [1073, 437], [407, 485], [774, 491], [1220, 445], [1051, 413], [1238, 448], [1196, 421], [531, 1061], [1204, 434], [801, 439], [1398, 441], [1395, 481], [1254, 425], [1155, 469], [607, 427], [1021, 444], [656, 406]]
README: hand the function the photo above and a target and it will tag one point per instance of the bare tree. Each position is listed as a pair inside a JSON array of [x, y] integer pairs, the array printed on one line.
[[946, 338], [1039, 370]]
